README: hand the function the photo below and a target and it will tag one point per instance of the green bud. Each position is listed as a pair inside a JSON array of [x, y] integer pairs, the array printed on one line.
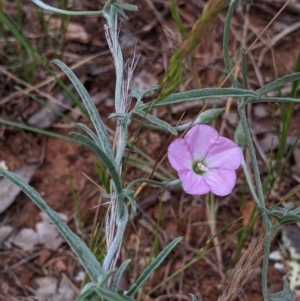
[[239, 136], [210, 115], [205, 117]]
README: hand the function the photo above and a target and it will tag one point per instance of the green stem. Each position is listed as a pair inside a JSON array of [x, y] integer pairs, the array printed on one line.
[[260, 200], [255, 168], [259, 197], [249, 181], [227, 24], [152, 182]]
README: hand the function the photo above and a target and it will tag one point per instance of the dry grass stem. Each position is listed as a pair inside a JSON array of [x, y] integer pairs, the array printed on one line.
[[245, 268]]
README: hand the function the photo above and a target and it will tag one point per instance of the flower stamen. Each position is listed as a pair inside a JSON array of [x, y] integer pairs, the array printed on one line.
[[199, 168], [202, 167]]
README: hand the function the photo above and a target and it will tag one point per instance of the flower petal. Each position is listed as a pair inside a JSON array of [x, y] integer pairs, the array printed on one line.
[[179, 155], [200, 138], [221, 182], [193, 183], [224, 154]]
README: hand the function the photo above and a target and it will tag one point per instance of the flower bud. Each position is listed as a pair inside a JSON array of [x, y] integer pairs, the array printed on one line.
[[205, 117], [239, 136], [210, 115]]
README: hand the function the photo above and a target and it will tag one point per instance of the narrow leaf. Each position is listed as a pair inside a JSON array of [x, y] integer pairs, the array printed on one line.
[[132, 201], [103, 176], [193, 297], [152, 267], [119, 274], [278, 83], [112, 296], [65, 12], [126, 6], [177, 19], [158, 122], [103, 156], [139, 95], [89, 132], [285, 295], [201, 94], [35, 130], [274, 99], [91, 108], [85, 256]]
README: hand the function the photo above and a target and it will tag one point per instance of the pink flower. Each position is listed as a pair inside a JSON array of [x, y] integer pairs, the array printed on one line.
[[205, 161]]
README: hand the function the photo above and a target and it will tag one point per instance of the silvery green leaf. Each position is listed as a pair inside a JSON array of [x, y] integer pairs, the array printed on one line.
[[152, 267], [158, 122], [124, 117], [117, 115], [210, 115], [85, 256], [285, 215], [125, 6], [119, 274], [121, 222], [193, 297], [274, 85], [130, 196], [121, 13], [274, 99], [285, 295], [239, 136], [103, 156], [205, 117], [112, 296], [92, 292], [201, 94], [146, 124], [87, 292], [89, 132], [65, 12], [87, 287], [134, 93], [91, 108]]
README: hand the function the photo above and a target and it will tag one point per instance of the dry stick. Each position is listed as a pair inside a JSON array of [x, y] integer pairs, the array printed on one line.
[[50, 79]]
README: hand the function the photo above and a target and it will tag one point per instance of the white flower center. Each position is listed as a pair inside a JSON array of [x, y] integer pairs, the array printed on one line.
[[202, 167]]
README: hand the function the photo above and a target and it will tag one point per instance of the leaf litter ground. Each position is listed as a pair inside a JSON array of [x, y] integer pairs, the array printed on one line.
[[26, 272]]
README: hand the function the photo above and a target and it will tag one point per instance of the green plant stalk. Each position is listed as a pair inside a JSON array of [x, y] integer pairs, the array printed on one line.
[[76, 205], [249, 181], [114, 216], [261, 202], [158, 223], [152, 182], [241, 111], [212, 224], [287, 111], [177, 19], [226, 58], [36, 130]]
